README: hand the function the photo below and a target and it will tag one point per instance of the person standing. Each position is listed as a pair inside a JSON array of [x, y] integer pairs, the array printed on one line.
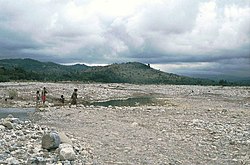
[[74, 98], [37, 98], [62, 99], [44, 92]]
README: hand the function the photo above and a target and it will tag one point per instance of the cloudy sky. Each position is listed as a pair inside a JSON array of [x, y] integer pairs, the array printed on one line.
[[178, 36]]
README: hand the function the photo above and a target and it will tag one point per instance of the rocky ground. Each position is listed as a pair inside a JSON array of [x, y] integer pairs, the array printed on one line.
[[27, 143], [183, 124]]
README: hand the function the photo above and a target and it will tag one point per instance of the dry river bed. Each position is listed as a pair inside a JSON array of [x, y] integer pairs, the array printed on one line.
[[180, 125]]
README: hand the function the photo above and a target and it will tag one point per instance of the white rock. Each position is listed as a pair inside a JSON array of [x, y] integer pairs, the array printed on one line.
[[2, 128], [8, 124], [66, 152], [134, 124], [12, 161]]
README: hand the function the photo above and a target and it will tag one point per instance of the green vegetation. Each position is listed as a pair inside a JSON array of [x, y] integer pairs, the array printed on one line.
[[132, 72], [137, 73], [13, 94], [17, 73]]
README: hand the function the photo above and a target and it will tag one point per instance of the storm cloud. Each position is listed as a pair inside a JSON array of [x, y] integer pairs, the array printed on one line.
[[179, 36]]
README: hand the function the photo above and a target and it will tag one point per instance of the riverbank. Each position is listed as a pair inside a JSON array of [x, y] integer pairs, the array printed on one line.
[[183, 125]]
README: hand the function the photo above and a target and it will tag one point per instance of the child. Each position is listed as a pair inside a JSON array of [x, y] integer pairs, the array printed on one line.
[[62, 99], [37, 98], [44, 91]]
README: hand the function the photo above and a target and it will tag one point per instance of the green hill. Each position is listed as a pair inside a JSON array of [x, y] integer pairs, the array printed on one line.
[[40, 67], [29, 69], [138, 73], [131, 72]]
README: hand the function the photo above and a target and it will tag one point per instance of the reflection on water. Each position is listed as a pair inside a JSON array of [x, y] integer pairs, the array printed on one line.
[[20, 113], [136, 101]]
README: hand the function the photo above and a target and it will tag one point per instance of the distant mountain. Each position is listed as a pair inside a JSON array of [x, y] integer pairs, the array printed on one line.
[[41, 67], [131, 72], [29, 69], [230, 79]]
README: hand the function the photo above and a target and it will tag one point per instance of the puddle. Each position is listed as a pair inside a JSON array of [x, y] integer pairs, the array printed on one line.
[[136, 101], [20, 113]]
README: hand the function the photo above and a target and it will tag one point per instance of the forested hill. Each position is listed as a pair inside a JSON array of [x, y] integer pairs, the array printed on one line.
[[138, 73], [40, 67], [132, 72]]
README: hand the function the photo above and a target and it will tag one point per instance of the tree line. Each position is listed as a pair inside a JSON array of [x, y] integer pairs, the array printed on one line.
[[106, 76]]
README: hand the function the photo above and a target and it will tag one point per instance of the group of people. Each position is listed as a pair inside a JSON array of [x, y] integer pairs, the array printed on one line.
[[62, 99], [43, 97]]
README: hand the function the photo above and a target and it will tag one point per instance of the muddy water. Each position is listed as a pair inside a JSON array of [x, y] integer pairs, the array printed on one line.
[[131, 102]]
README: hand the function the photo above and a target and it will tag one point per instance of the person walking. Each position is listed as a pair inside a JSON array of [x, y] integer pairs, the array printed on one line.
[[74, 98], [44, 92]]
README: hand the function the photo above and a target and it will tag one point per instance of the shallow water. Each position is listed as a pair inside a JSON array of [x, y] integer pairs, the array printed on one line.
[[20, 113], [136, 101]]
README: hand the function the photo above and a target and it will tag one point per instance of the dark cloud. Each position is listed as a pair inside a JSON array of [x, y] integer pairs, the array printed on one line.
[[178, 36]]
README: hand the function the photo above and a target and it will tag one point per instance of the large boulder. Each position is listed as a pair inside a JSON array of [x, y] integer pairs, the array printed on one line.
[[51, 140], [66, 152]]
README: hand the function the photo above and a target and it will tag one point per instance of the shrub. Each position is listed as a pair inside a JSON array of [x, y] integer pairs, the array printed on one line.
[[13, 94]]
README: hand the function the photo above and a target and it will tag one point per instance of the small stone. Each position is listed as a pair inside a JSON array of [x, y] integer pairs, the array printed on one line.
[[224, 110], [134, 124], [2, 162], [18, 127], [8, 124], [10, 116], [15, 120], [19, 133], [84, 152], [12, 161], [41, 160], [66, 162], [36, 160], [2, 157], [2, 128]]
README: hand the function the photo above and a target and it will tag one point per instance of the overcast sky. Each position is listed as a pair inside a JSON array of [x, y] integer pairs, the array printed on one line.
[[178, 36]]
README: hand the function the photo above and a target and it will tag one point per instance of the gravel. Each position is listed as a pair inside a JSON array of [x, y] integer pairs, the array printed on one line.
[[186, 125]]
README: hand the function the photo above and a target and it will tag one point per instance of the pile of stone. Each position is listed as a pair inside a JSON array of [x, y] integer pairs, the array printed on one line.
[[23, 142]]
